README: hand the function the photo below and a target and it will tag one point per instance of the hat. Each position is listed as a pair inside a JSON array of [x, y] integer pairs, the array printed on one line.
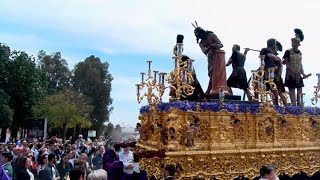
[[299, 36]]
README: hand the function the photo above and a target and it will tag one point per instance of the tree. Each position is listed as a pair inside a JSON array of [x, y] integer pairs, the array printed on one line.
[[6, 113], [22, 83], [92, 78], [56, 70], [108, 129], [118, 128], [66, 109]]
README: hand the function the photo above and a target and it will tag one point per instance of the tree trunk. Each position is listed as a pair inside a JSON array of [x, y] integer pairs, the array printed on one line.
[[74, 132], [3, 134], [64, 135]]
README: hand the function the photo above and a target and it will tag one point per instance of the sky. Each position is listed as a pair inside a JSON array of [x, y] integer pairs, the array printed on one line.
[[128, 33]]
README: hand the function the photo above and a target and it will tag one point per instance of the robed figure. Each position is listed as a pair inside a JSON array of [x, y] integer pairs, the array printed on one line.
[[111, 163], [198, 93], [211, 46]]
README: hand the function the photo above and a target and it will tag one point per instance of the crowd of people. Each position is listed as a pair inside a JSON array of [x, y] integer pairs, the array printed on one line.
[[81, 159]]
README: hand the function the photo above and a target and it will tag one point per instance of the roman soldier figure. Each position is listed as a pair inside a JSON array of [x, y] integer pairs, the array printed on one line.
[[238, 77], [270, 62], [294, 73], [278, 76]]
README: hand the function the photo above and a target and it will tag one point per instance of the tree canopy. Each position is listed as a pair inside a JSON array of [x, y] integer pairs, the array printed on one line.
[[48, 88], [56, 70], [66, 109], [92, 78]]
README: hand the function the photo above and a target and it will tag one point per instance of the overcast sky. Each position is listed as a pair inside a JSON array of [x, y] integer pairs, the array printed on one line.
[[127, 33]]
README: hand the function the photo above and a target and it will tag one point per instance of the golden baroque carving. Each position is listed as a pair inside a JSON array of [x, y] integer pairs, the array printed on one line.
[[228, 145]]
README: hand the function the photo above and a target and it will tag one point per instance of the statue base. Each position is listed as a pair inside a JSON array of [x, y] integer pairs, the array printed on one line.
[[215, 97]]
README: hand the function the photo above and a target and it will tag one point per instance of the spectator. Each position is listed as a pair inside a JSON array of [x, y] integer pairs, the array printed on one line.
[[169, 171], [6, 163], [43, 162], [126, 156], [98, 175], [77, 174], [64, 167], [98, 159], [267, 173], [50, 172], [23, 172]]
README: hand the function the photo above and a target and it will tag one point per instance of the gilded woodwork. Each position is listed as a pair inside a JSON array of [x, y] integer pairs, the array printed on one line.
[[228, 145]]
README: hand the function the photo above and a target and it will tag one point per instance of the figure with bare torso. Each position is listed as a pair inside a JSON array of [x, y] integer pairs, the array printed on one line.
[[209, 43]]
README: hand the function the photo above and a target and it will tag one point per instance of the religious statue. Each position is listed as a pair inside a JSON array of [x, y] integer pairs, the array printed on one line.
[[172, 133], [238, 77], [210, 45], [294, 72], [190, 134], [278, 76], [198, 92]]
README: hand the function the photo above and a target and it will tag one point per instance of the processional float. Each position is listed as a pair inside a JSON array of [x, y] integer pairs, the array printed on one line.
[[220, 139]]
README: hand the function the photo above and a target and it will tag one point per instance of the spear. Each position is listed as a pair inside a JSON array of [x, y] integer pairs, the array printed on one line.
[[251, 49]]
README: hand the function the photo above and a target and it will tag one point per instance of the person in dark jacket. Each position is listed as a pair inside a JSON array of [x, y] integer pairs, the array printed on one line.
[[111, 162], [23, 172]]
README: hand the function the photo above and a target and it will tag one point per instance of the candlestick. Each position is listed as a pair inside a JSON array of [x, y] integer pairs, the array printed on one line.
[[142, 76], [151, 84], [155, 76], [179, 49], [221, 94], [160, 78], [183, 75], [262, 61], [318, 79], [271, 73], [138, 88], [253, 74], [149, 62], [163, 77]]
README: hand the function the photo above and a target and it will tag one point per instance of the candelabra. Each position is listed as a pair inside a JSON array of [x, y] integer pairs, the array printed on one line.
[[151, 83], [260, 80], [314, 100], [181, 78]]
